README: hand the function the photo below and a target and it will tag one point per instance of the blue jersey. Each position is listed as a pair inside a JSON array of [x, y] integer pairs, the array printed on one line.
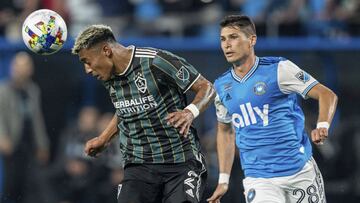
[[269, 124]]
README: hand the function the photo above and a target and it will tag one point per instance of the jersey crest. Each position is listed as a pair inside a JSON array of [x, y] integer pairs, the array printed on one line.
[[140, 82], [260, 88]]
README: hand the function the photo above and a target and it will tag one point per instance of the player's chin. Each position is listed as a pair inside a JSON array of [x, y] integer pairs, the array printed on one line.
[[103, 78], [231, 59]]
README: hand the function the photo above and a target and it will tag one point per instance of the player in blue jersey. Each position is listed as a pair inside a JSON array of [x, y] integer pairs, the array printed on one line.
[[257, 107]]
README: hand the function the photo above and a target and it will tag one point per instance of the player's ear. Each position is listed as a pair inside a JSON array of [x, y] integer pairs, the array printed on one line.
[[253, 39], [106, 49]]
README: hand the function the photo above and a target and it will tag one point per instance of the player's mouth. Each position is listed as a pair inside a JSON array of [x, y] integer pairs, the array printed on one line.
[[229, 54], [97, 77]]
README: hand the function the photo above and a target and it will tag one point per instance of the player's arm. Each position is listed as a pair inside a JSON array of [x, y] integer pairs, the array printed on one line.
[[205, 94], [96, 145], [225, 149], [327, 107], [185, 77], [225, 139], [293, 79]]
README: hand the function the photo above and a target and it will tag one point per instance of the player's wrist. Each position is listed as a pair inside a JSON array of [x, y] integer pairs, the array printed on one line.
[[193, 109], [323, 124], [224, 178]]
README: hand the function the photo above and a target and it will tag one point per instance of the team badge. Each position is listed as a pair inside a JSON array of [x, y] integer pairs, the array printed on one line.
[[251, 195], [302, 76], [112, 90], [183, 74], [260, 88], [140, 82]]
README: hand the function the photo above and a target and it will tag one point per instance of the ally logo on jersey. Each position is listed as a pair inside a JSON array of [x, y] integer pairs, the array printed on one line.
[[250, 115]]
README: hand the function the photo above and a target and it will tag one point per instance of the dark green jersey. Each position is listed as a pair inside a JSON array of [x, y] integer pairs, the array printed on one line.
[[152, 86]]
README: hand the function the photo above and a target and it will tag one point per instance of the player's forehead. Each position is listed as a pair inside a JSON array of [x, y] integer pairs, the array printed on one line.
[[83, 55], [86, 53], [229, 30]]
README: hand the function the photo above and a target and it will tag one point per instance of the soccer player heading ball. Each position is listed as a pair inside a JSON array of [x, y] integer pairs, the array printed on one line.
[[258, 97], [147, 86]]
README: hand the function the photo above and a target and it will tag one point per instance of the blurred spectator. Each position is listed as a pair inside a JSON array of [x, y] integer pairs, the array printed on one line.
[[82, 13], [58, 6], [73, 175], [348, 11], [24, 144], [117, 14], [13, 14]]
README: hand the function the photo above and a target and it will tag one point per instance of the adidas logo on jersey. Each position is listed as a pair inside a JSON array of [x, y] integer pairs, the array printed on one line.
[[248, 116], [228, 97]]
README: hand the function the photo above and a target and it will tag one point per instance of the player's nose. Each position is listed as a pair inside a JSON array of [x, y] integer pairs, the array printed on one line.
[[87, 69]]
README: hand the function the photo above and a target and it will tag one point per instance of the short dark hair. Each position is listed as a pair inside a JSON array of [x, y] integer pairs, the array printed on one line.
[[243, 22], [91, 36]]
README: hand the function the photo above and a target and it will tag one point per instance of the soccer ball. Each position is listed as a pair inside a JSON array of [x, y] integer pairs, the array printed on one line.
[[44, 32]]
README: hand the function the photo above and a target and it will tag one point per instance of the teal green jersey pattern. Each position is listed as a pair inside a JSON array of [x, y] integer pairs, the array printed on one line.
[[152, 86]]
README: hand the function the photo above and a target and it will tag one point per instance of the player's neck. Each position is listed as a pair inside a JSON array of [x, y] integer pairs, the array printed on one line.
[[241, 68], [122, 59]]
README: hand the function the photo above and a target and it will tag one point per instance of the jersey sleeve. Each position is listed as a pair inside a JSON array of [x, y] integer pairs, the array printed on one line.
[[183, 74], [293, 79], [222, 113]]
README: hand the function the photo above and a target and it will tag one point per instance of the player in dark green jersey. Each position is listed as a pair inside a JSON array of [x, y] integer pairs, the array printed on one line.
[[163, 161]]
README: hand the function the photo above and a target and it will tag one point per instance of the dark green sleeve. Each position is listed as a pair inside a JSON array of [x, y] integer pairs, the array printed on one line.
[[181, 72]]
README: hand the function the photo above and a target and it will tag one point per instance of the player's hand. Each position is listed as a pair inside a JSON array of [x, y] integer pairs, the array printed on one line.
[[319, 135], [221, 189], [181, 120], [95, 146]]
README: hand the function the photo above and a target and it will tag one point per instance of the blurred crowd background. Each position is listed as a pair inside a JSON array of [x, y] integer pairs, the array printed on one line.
[[49, 107]]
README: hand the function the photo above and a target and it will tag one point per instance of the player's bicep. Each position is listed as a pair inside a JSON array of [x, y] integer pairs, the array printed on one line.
[[318, 90], [293, 79], [180, 72]]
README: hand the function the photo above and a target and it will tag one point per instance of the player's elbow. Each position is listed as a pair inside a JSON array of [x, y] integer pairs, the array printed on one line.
[[334, 98], [212, 93], [331, 96]]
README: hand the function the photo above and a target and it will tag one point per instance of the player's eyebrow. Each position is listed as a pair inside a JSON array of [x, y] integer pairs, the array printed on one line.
[[229, 35]]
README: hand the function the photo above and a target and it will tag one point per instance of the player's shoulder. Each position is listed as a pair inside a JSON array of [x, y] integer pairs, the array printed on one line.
[[270, 60], [223, 78], [145, 52]]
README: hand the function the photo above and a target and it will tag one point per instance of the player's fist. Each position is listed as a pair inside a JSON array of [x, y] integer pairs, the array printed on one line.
[[95, 146], [221, 189], [319, 135]]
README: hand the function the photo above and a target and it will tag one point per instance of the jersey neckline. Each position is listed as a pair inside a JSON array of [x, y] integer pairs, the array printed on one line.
[[131, 60], [248, 74]]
